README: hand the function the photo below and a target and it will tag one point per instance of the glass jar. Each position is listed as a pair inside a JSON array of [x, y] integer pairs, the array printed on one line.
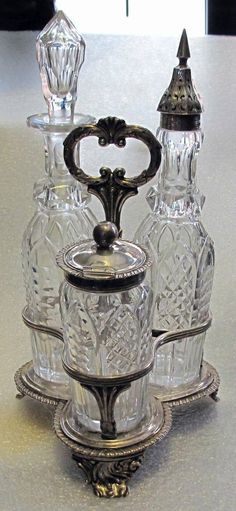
[[107, 335], [106, 326]]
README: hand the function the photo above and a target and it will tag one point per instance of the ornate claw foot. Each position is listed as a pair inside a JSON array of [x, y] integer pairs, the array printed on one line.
[[109, 478], [215, 396], [20, 395], [109, 464], [207, 386], [29, 384]]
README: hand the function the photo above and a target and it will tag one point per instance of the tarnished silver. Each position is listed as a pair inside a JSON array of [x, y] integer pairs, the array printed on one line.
[[208, 382], [27, 381], [55, 332], [107, 389], [180, 106], [175, 335], [28, 384], [108, 468], [109, 265], [112, 188], [208, 385], [160, 338], [149, 425]]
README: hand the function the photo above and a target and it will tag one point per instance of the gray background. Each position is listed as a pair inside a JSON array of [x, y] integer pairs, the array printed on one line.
[[193, 469]]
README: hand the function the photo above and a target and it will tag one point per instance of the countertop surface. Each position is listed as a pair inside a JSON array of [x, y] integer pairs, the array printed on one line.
[[194, 467]]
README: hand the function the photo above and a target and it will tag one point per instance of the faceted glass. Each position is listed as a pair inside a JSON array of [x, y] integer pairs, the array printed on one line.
[[107, 335], [62, 217], [182, 274], [60, 54], [62, 214]]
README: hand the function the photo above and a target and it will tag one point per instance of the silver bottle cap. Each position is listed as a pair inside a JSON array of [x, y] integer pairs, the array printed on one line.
[[179, 106]]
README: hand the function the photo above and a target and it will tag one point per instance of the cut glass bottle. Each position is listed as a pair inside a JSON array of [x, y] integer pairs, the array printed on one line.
[[182, 274], [62, 215]]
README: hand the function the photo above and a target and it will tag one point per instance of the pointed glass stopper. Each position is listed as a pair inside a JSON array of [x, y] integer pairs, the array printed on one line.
[[60, 53], [179, 106]]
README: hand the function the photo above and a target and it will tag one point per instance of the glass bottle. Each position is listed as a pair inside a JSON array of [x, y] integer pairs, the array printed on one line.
[[183, 252], [62, 215], [106, 306]]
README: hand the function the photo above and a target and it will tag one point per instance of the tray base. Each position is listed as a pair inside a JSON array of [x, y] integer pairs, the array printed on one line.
[[29, 384], [109, 469], [208, 385]]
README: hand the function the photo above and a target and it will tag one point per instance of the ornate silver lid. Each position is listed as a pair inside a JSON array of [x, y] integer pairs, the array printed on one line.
[[180, 106], [109, 264]]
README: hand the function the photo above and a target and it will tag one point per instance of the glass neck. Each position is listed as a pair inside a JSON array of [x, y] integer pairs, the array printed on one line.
[[58, 189], [176, 192], [179, 152], [55, 166], [61, 109]]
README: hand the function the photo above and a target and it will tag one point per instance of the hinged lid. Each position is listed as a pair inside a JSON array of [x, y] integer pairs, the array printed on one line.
[[110, 264]]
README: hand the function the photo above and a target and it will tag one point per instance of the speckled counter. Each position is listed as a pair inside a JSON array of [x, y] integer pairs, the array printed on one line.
[[194, 468]]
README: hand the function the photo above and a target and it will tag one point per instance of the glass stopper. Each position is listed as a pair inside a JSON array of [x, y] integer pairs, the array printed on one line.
[[60, 53]]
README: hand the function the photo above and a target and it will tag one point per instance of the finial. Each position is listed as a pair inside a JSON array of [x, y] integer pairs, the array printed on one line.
[[60, 54], [180, 106], [105, 233], [183, 53]]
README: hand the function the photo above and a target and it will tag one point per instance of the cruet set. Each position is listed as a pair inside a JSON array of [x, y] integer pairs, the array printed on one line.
[[117, 327]]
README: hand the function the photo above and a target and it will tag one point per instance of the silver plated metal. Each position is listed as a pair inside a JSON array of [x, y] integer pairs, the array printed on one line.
[[149, 426], [27, 385], [55, 332], [112, 188], [109, 265], [208, 385], [179, 106], [28, 382], [106, 389], [109, 469]]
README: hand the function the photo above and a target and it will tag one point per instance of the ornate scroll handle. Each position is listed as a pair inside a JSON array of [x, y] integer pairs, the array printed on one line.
[[54, 332], [112, 188]]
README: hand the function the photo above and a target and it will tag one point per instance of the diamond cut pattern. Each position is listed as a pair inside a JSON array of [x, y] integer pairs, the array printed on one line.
[[182, 278], [108, 334], [45, 235], [175, 284]]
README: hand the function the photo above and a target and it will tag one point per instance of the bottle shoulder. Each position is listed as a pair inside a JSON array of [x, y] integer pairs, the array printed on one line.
[[67, 226], [162, 233], [176, 203], [60, 193]]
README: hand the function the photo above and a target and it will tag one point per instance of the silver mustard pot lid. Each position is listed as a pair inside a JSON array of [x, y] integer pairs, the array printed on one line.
[[104, 264]]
